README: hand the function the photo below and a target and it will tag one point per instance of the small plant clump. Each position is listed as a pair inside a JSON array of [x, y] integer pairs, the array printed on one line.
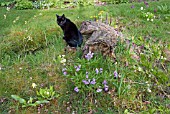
[[43, 96], [149, 16]]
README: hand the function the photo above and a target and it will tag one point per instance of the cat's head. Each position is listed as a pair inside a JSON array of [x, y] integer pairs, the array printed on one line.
[[61, 20]]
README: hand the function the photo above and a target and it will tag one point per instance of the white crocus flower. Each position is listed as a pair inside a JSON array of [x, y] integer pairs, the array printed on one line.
[[63, 61], [4, 16], [34, 85], [63, 56], [8, 8], [48, 93], [149, 90]]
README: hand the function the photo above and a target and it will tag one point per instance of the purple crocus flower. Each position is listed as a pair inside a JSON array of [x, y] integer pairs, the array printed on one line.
[[132, 6], [89, 55], [97, 70], [134, 45], [106, 88], [64, 73], [101, 70], [77, 68], [93, 81], [76, 89], [155, 10], [115, 74], [146, 3], [99, 90], [87, 74], [104, 82], [85, 82]]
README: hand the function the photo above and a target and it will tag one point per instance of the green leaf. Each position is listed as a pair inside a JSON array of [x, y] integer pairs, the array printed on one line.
[[38, 93], [17, 98], [53, 93], [57, 95], [31, 105], [30, 100], [23, 106], [41, 102], [115, 85], [51, 88]]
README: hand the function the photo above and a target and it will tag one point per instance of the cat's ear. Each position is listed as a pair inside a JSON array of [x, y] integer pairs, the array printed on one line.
[[57, 15], [63, 15]]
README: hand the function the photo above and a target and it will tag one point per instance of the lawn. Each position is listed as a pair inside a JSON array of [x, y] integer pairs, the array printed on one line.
[[31, 46]]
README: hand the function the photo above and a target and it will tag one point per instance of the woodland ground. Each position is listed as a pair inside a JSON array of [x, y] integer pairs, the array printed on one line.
[[31, 42]]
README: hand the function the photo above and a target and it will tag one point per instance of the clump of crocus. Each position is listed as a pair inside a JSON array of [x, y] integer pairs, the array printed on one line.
[[106, 87], [88, 81], [149, 16], [62, 59]]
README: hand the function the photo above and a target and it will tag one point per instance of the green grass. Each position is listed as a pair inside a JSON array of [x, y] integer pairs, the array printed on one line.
[[25, 61]]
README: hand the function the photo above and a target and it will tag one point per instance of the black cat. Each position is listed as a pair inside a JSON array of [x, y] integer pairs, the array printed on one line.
[[72, 35]]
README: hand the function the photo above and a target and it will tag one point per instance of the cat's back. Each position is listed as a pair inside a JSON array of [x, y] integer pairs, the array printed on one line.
[[71, 25]]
